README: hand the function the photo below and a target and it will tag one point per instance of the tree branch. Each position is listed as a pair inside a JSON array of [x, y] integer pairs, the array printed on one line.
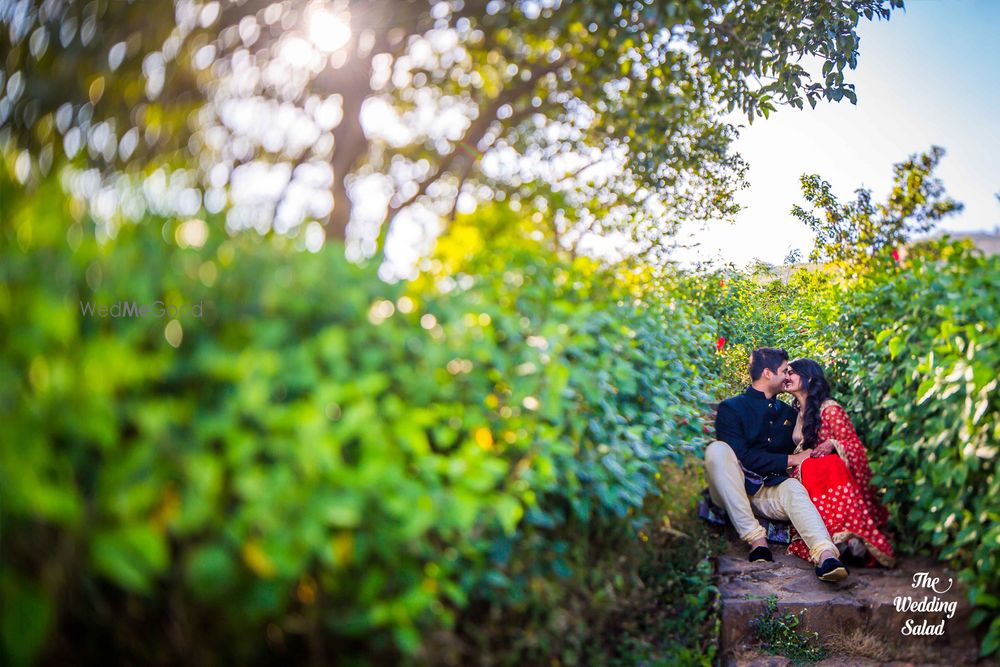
[[473, 135]]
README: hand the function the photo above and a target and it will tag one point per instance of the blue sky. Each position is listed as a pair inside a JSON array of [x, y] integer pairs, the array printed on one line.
[[929, 75]]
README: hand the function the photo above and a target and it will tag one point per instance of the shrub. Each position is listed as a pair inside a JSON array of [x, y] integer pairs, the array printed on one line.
[[912, 350], [755, 308], [322, 462], [921, 353]]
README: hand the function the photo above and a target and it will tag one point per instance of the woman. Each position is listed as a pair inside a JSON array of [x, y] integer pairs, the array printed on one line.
[[837, 475]]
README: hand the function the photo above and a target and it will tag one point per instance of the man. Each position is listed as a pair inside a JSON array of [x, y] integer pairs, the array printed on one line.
[[754, 432]]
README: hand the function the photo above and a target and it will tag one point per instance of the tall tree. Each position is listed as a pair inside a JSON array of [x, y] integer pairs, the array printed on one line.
[[412, 96], [860, 230]]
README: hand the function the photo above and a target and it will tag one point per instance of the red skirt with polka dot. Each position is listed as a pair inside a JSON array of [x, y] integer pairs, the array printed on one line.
[[843, 493]]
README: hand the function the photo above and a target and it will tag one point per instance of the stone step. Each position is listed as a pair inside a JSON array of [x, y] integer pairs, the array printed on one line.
[[857, 618]]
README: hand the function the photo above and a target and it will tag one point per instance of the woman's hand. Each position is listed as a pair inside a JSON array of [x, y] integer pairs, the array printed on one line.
[[824, 448]]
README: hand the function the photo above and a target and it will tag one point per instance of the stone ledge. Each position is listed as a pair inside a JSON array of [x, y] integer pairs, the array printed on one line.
[[861, 606]]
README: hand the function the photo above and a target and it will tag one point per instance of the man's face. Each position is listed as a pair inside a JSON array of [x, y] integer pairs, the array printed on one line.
[[776, 379]]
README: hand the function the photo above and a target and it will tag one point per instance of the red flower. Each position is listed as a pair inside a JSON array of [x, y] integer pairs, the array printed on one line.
[[722, 283], [721, 343], [895, 254]]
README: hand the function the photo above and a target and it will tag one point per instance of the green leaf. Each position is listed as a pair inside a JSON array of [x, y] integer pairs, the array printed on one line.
[[509, 511], [341, 510], [407, 638], [926, 390], [130, 555], [25, 616], [981, 598], [881, 336], [211, 571], [992, 641]]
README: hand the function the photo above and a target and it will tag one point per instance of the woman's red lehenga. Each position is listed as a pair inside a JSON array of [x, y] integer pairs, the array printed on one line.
[[840, 487]]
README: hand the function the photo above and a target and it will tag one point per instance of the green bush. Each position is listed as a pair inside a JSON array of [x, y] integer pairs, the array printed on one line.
[[321, 462], [755, 308], [627, 601], [912, 349], [921, 353]]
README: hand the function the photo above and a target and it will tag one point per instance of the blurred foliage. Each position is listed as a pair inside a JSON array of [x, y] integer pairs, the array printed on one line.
[[860, 231], [631, 601], [321, 464], [282, 88]]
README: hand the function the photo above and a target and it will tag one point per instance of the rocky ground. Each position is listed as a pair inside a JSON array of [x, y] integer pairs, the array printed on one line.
[[856, 619]]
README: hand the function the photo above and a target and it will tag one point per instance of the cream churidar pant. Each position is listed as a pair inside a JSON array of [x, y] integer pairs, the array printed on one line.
[[788, 501]]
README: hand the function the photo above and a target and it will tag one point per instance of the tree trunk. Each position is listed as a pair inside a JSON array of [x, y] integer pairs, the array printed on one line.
[[350, 145]]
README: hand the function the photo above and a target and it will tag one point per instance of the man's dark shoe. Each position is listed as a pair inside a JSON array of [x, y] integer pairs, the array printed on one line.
[[832, 570], [759, 554]]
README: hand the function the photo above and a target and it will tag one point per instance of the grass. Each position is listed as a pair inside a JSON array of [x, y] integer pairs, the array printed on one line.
[[678, 621], [861, 642], [877, 645]]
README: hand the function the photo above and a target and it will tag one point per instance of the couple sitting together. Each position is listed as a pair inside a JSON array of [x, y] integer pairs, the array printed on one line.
[[801, 463]]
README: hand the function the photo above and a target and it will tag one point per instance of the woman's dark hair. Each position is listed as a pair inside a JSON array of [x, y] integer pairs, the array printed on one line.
[[817, 391], [765, 357]]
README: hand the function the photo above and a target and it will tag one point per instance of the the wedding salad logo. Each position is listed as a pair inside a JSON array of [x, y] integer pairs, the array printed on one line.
[[926, 605]]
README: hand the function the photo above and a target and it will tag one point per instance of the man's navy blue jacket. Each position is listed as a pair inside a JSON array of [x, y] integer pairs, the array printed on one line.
[[759, 430]]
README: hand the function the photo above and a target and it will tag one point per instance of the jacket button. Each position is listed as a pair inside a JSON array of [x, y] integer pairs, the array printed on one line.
[[769, 440]]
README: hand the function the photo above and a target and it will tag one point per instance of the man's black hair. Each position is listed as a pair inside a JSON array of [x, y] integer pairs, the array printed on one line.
[[766, 357]]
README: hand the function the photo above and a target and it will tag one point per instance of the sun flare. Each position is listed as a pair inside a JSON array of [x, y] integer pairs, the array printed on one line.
[[329, 31]]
